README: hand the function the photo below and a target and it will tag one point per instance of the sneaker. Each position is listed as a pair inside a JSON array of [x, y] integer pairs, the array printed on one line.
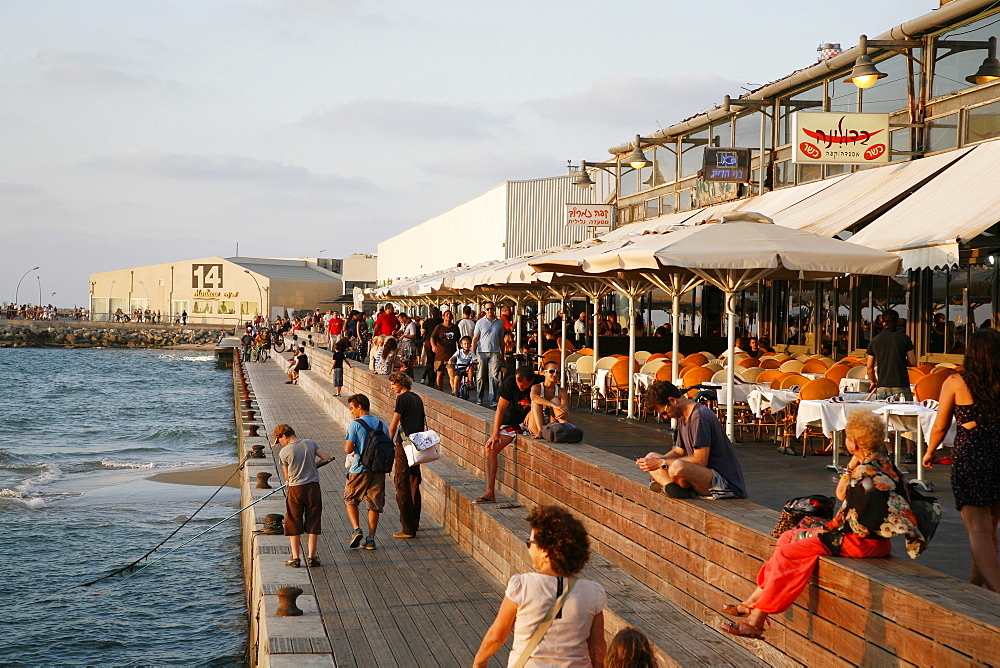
[[292, 563], [403, 534], [356, 538], [655, 486], [909, 458], [369, 543], [313, 562]]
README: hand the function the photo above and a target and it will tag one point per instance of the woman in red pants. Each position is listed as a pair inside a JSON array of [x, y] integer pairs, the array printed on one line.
[[875, 508]]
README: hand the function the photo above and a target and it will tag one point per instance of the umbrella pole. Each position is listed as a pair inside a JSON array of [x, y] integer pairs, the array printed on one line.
[[562, 343], [517, 325], [675, 333], [730, 366], [539, 323], [631, 353]]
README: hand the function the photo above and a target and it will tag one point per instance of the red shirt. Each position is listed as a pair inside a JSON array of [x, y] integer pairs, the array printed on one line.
[[508, 324], [336, 326], [385, 324]]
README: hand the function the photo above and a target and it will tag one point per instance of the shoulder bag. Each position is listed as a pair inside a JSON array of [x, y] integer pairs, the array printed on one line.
[[544, 626]]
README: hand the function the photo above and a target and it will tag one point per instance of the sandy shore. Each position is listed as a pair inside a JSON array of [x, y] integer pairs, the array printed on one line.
[[210, 477]]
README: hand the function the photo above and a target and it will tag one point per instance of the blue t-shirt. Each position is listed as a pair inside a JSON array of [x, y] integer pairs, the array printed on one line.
[[359, 436], [490, 335], [702, 429]]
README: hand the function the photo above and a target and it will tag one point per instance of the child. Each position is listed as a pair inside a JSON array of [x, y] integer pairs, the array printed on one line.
[[461, 363], [339, 360], [630, 649], [309, 341]]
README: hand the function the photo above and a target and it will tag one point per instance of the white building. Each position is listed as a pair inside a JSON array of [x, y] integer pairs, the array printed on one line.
[[513, 218]]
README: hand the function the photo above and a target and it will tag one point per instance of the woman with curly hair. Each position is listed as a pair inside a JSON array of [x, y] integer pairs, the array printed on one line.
[[972, 397], [558, 548], [874, 509]]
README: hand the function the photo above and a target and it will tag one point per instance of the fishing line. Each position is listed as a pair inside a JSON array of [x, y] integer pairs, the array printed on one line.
[[130, 567]]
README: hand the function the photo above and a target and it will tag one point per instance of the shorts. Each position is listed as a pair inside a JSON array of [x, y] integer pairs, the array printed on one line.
[[720, 487], [367, 486], [303, 501], [512, 431], [441, 366], [338, 377]]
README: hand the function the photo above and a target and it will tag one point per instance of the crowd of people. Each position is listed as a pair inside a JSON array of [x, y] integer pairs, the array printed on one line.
[[47, 312], [873, 494]]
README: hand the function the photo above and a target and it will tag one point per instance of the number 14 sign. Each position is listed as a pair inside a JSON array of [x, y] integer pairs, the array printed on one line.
[[206, 276]]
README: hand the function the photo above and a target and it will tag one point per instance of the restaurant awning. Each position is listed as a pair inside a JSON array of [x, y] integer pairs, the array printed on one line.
[[862, 194], [957, 205]]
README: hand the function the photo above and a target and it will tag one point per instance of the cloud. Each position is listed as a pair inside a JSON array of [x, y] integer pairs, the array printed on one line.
[[88, 69], [626, 101], [60, 57], [19, 189], [221, 168], [494, 167], [419, 120]]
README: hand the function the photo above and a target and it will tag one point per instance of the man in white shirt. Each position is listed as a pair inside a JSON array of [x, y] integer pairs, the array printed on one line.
[[486, 340]]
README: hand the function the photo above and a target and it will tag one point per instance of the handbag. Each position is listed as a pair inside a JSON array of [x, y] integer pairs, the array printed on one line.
[[544, 626], [562, 432], [795, 510], [419, 447]]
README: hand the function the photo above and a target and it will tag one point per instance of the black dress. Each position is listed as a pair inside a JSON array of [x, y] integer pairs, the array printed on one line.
[[975, 458]]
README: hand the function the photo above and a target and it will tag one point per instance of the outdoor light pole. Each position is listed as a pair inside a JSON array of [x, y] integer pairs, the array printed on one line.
[[39, 289], [260, 295], [18, 288]]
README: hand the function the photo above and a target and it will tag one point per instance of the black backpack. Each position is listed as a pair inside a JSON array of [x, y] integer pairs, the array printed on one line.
[[379, 452], [562, 432]]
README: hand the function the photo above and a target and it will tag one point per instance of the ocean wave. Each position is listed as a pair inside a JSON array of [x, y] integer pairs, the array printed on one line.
[[109, 464], [166, 434], [27, 489]]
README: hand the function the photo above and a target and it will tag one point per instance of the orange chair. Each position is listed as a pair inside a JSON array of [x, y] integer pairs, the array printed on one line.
[[586, 351], [914, 374], [926, 368], [819, 388], [656, 356], [929, 387], [696, 358], [944, 371], [551, 356], [792, 379], [813, 366], [663, 373], [767, 376], [695, 376], [619, 378], [770, 363], [749, 362], [837, 372]]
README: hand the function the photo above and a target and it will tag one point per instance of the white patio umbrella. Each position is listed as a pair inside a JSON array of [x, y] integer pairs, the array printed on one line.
[[736, 252]]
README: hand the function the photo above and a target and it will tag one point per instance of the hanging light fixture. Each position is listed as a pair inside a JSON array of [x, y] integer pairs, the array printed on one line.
[[990, 69], [637, 159]]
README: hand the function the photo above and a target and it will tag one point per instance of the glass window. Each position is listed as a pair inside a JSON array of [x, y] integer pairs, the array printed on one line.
[[666, 204], [807, 173], [783, 174], [665, 158], [629, 182], [899, 140], [888, 93], [950, 71], [982, 123], [141, 304], [203, 307], [181, 305], [684, 199], [786, 113], [227, 308], [748, 131], [99, 308], [834, 170], [652, 208], [249, 308], [693, 147], [942, 133], [722, 135], [843, 96]]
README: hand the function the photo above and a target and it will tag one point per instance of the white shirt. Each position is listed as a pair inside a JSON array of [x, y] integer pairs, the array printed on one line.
[[565, 643]]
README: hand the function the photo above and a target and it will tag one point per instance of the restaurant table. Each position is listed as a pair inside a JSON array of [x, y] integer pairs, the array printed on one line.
[[764, 397], [855, 385], [832, 417], [912, 417]]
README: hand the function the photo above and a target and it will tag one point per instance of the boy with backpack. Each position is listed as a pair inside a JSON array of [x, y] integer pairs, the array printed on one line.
[[371, 453]]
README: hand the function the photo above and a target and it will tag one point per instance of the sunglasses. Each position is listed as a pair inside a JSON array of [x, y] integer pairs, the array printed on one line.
[[528, 542], [552, 371], [491, 308]]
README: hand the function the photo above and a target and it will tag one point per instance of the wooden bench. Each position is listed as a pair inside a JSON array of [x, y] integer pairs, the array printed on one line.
[[701, 554]]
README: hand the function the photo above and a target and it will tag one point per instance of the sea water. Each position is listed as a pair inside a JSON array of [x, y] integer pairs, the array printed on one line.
[[80, 432]]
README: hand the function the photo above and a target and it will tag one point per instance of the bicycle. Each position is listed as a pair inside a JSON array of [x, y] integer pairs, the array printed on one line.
[[277, 342]]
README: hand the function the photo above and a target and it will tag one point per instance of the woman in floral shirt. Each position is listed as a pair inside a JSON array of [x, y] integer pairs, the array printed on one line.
[[875, 508]]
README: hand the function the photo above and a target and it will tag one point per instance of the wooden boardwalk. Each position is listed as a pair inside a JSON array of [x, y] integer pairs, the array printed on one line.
[[416, 602]]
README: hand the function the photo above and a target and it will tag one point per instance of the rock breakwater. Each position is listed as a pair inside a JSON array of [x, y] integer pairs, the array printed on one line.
[[99, 335]]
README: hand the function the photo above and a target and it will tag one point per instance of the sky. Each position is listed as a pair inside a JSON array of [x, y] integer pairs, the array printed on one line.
[[135, 132]]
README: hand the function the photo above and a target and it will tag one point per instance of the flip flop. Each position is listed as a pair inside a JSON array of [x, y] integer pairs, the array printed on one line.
[[735, 610], [483, 499]]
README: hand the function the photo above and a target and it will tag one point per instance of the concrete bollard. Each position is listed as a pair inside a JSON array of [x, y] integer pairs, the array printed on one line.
[[249, 415], [262, 479], [286, 602], [257, 452], [253, 427], [247, 403]]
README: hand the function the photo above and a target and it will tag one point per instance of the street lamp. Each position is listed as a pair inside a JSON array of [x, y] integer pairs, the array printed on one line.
[[865, 74], [18, 288], [260, 295]]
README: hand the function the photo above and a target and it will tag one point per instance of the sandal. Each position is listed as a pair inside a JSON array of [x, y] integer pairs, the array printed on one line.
[[292, 563], [742, 629], [484, 499], [735, 610]]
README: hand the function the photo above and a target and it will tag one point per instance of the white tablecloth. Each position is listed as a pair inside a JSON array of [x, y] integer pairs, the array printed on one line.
[[832, 416], [855, 385], [642, 381], [764, 397], [600, 381]]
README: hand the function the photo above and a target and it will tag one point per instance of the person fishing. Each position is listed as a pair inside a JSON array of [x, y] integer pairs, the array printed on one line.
[[304, 502]]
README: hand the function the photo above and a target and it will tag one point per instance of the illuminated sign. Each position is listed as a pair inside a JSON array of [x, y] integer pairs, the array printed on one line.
[[590, 214], [842, 139], [726, 165]]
